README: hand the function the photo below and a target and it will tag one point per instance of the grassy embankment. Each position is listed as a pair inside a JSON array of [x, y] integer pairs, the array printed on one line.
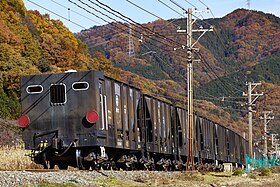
[[13, 157]]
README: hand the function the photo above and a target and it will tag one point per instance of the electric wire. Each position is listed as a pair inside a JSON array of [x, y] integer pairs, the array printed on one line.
[[144, 9], [209, 24], [223, 45], [169, 51], [190, 4], [67, 19], [213, 72], [75, 12], [218, 77], [218, 85], [78, 24], [203, 4], [233, 109], [183, 77], [170, 8], [178, 5], [133, 20], [223, 99], [124, 30], [146, 28], [225, 49], [139, 7], [215, 31], [130, 19], [56, 14], [221, 42], [95, 9], [127, 26], [170, 22]]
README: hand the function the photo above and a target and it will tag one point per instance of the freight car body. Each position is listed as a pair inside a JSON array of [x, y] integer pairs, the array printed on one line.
[[88, 120]]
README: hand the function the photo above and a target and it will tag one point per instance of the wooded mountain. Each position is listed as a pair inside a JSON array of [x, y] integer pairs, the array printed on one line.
[[244, 47]]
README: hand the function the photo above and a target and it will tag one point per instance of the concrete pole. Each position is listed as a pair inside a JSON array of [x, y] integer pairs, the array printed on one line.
[[265, 135], [251, 100], [190, 158], [266, 119], [250, 116]]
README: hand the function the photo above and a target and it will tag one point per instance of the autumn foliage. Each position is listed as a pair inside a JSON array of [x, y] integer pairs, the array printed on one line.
[[244, 46]]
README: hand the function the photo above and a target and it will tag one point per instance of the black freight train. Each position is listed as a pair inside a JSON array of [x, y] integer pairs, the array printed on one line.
[[88, 120]]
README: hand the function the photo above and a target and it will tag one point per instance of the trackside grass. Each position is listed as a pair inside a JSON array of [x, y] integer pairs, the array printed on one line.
[[13, 157]]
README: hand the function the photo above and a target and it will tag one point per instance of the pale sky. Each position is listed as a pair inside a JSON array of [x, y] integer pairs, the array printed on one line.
[[79, 16]]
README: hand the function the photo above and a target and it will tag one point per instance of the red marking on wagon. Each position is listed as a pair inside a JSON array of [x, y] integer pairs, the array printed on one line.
[[23, 121], [92, 117]]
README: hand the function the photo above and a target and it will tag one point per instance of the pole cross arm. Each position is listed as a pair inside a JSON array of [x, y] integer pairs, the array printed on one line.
[[269, 119], [203, 32], [257, 96]]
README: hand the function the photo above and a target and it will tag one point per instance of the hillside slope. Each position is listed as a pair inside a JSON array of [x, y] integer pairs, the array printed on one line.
[[241, 39], [243, 47], [33, 43]]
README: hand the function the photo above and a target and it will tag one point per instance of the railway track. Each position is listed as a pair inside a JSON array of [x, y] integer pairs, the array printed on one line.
[[33, 170], [101, 172]]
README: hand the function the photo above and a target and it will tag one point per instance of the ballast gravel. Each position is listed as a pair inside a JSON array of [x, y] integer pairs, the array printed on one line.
[[78, 178], [65, 178]]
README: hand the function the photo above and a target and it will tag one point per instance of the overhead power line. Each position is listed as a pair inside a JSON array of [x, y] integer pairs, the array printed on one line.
[[171, 8], [127, 26], [94, 14], [190, 4], [228, 86], [56, 14], [219, 36], [144, 9], [178, 5], [75, 12], [221, 42], [171, 41], [139, 25], [123, 16], [226, 99], [203, 4]]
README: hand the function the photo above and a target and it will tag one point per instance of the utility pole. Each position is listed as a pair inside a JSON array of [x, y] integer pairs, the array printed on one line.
[[190, 47], [252, 97], [273, 138], [274, 142], [266, 119]]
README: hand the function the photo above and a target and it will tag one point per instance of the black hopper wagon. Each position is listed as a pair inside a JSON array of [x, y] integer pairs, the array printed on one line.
[[87, 120]]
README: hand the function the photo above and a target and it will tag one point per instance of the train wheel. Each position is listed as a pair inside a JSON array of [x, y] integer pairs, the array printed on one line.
[[87, 166], [51, 164], [45, 164], [79, 160], [48, 164], [133, 166], [113, 166], [63, 166], [152, 167]]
